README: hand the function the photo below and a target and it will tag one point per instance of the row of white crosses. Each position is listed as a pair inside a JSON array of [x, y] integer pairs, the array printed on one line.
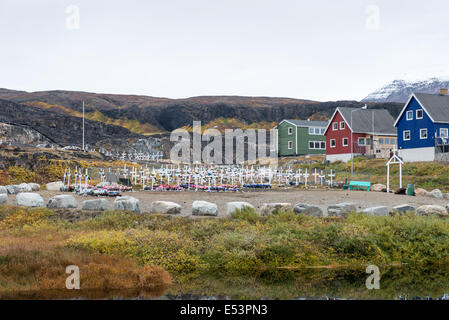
[[212, 176], [79, 177]]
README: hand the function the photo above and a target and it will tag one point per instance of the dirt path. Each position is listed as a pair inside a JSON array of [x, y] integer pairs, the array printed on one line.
[[319, 198]]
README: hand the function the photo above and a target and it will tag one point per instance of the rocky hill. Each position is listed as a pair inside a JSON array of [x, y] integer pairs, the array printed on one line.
[[143, 114]]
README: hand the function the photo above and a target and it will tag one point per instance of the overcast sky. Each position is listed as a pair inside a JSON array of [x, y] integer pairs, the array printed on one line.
[[320, 50]]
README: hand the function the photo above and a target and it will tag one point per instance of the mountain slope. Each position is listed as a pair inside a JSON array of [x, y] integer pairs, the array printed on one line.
[[400, 90], [142, 114]]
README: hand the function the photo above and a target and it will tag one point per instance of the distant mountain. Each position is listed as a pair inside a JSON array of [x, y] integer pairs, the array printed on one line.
[[400, 90]]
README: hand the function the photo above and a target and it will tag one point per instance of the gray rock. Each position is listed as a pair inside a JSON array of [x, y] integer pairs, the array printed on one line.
[[404, 208], [204, 208], [95, 205], [54, 186], [12, 189], [62, 201], [308, 210], [341, 209], [377, 211], [24, 187], [28, 199], [435, 194], [3, 198], [127, 203], [34, 186], [231, 207], [379, 188], [428, 210], [446, 196], [3, 190], [165, 207], [268, 208]]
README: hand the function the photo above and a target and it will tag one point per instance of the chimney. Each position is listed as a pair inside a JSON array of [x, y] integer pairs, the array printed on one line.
[[444, 92]]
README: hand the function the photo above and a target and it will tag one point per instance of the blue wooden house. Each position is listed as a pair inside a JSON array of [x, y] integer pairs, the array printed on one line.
[[423, 128]]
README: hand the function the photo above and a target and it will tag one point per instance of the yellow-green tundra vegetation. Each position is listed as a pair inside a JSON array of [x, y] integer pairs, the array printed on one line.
[[247, 256]]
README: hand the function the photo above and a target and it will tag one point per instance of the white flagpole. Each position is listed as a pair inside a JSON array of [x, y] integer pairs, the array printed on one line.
[[83, 127]]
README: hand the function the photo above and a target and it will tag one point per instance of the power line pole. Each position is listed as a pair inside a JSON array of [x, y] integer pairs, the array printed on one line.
[[83, 127]]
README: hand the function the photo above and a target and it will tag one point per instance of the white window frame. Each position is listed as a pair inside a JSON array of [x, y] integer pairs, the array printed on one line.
[[290, 131], [343, 142], [290, 145], [321, 143], [421, 132], [315, 143], [334, 128], [422, 114], [322, 131], [409, 135], [441, 133], [410, 112], [335, 143], [361, 144], [311, 131], [342, 125]]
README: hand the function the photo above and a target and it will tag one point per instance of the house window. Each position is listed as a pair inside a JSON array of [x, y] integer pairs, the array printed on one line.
[[317, 145], [419, 114], [423, 134], [290, 131], [317, 131], [381, 141], [362, 142], [333, 143], [406, 135], [342, 125], [444, 133], [290, 145], [335, 126], [323, 130], [409, 115], [345, 142], [392, 141]]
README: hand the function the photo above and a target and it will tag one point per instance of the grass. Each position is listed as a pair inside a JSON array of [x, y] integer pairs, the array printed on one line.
[[39, 242], [427, 175]]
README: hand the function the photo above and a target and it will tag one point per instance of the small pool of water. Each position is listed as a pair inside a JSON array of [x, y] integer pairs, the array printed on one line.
[[395, 283]]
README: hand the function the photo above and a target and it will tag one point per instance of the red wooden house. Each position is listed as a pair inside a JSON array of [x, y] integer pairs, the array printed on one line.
[[371, 132]]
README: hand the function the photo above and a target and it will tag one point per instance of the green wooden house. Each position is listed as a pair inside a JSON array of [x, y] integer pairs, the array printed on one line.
[[300, 137]]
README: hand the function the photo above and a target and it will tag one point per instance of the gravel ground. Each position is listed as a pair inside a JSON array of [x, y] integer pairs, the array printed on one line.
[[321, 198]]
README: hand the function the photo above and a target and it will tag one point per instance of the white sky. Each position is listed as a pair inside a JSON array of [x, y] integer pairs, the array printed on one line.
[[320, 50]]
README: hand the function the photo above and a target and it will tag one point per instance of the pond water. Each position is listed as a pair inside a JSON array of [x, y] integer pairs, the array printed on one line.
[[395, 283]]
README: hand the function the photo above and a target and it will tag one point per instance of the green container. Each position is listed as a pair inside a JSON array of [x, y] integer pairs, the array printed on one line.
[[410, 189]]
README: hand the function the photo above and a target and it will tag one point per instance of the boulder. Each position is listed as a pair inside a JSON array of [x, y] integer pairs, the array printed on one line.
[[165, 207], [446, 196], [3, 198], [24, 187], [127, 203], [404, 208], [204, 208], [381, 211], [62, 201], [3, 190], [428, 210], [419, 192], [231, 207], [34, 186], [28, 199], [12, 189], [268, 208], [437, 194], [95, 205], [379, 188], [341, 209], [54, 186], [308, 210]]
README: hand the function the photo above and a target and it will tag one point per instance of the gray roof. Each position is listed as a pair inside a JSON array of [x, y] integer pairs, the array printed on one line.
[[307, 123], [362, 120], [436, 105]]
